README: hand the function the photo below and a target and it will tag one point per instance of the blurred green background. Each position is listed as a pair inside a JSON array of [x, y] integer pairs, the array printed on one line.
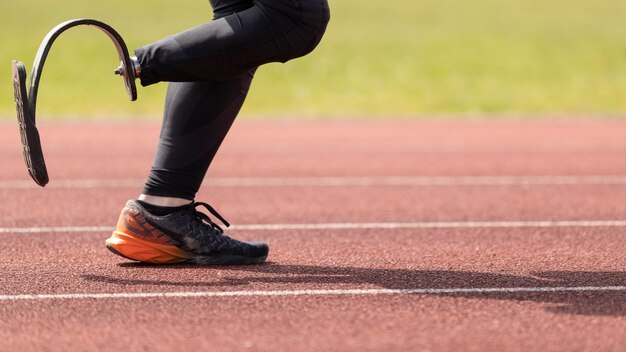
[[379, 58]]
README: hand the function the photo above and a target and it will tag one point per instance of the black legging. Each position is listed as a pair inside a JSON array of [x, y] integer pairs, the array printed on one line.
[[212, 66]]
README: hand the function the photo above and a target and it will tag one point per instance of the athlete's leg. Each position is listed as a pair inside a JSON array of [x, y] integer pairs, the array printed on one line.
[[161, 227], [218, 61], [214, 56]]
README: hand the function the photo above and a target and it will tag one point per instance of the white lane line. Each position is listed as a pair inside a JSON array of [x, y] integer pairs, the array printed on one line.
[[352, 292], [58, 229], [424, 181], [353, 226], [76, 183], [432, 225]]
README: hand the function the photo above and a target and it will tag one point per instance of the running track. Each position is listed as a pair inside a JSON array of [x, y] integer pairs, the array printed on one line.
[[397, 235]]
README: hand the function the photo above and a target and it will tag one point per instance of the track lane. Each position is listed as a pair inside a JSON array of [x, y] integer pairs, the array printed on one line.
[[325, 148], [269, 205], [392, 323], [409, 259], [437, 259]]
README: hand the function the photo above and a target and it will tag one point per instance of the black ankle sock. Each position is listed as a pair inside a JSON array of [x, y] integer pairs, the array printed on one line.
[[159, 210]]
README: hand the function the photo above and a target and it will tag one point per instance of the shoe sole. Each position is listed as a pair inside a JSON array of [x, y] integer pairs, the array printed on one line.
[[130, 247]]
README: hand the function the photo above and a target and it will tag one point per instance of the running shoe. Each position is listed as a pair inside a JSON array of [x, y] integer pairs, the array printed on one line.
[[185, 236]]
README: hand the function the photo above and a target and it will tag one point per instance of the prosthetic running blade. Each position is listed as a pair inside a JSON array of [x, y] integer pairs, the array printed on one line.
[[31, 143], [26, 104]]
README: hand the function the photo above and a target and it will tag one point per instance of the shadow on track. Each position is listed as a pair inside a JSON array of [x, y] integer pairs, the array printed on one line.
[[609, 303]]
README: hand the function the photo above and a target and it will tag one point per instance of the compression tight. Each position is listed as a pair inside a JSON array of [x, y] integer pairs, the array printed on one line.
[[210, 68]]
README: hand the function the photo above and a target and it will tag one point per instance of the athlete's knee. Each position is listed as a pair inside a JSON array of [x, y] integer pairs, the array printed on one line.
[[307, 35]]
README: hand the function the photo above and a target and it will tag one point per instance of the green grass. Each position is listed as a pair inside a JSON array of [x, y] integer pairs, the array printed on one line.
[[402, 57]]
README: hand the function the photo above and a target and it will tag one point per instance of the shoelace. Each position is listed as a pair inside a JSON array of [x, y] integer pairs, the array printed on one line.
[[204, 217]]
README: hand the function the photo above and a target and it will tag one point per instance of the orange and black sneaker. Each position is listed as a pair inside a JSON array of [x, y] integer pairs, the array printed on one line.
[[184, 236]]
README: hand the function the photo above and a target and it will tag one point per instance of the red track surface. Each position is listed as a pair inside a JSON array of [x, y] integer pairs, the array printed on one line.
[[591, 258]]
